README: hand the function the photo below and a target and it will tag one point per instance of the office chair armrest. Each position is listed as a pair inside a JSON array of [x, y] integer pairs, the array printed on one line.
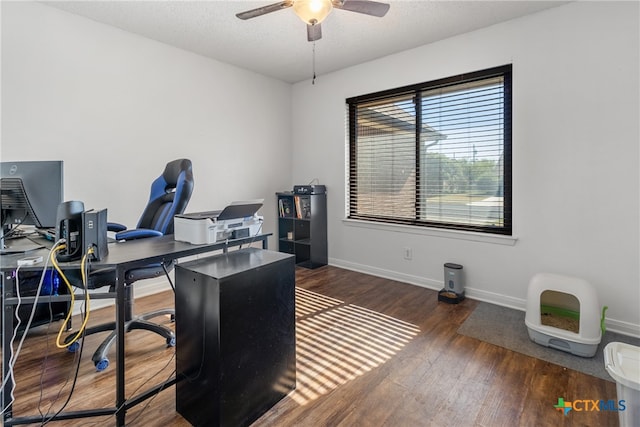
[[137, 233], [114, 226]]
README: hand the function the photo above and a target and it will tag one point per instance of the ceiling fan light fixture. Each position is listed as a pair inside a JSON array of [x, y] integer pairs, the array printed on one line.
[[312, 12]]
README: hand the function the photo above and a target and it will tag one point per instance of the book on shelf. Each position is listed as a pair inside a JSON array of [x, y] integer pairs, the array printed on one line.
[[305, 211], [284, 207], [296, 199]]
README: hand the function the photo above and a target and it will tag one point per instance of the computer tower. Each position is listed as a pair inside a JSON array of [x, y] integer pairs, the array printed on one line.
[[235, 336]]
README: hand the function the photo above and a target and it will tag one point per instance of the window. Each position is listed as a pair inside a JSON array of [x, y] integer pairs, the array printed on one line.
[[436, 154]]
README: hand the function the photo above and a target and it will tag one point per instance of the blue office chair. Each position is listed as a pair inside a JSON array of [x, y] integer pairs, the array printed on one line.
[[170, 194]]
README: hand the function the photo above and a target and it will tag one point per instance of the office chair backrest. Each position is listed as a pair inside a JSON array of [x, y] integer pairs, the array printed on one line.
[[169, 196]]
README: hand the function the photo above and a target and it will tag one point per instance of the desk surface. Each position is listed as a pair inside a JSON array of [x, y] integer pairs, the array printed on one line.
[[24, 243], [234, 263], [134, 252]]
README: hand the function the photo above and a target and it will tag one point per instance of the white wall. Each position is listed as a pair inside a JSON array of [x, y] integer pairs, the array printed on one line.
[[117, 107], [575, 157], [103, 99]]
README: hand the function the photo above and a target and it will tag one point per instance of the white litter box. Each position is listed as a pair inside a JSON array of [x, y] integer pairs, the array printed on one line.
[[622, 362], [563, 313]]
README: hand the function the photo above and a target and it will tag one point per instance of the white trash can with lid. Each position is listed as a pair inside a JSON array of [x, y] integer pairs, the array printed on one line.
[[622, 362]]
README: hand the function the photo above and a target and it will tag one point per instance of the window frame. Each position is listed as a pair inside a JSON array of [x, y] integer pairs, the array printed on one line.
[[504, 71]]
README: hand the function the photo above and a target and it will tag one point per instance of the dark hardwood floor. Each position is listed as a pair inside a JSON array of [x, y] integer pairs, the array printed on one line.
[[371, 352]]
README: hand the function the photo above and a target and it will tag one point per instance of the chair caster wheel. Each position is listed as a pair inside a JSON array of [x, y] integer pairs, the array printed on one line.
[[102, 365], [74, 347], [171, 342]]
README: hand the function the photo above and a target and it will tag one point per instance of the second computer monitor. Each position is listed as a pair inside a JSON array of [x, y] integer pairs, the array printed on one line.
[[31, 192]]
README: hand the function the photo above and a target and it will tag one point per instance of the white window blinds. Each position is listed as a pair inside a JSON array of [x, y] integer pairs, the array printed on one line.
[[435, 154]]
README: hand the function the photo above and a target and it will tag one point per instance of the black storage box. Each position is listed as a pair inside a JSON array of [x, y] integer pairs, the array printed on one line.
[[235, 336]]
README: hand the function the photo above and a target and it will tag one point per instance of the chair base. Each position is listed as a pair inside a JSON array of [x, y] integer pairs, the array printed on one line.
[[100, 360]]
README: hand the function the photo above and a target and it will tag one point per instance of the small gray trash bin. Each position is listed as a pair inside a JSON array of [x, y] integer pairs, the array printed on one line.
[[453, 280], [453, 291]]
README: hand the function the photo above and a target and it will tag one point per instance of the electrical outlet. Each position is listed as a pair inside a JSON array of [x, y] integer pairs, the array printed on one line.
[[407, 253]]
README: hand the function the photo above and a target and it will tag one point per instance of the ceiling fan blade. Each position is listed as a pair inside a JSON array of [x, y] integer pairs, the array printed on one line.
[[314, 32], [372, 8], [264, 10]]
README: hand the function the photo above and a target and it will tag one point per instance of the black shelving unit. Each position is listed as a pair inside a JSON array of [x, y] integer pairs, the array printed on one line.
[[302, 225]]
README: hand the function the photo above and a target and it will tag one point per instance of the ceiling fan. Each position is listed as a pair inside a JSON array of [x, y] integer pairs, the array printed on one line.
[[313, 12]]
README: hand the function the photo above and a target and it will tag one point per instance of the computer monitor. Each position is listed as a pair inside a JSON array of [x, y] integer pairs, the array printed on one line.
[[31, 192]]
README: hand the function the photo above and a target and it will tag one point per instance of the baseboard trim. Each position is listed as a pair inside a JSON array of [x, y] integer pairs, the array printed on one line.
[[388, 274], [624, 328], [155, 286], [613, 325]]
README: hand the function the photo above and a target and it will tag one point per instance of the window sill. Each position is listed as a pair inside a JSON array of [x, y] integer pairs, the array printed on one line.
[[434, 232]]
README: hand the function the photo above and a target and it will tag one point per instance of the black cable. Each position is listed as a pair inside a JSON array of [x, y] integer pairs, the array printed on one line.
[[46, 351], [82, 336], [32, 241], [78, 358], [14, 356], [253, 240], [14, 230], [73, 386], [166, 273], [159, 390], [192, 378]]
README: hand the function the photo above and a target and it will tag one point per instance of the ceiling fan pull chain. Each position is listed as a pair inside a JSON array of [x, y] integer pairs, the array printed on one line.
[[313, 81]]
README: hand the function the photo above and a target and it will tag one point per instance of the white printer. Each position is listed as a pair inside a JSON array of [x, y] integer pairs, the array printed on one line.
[[236, 221]]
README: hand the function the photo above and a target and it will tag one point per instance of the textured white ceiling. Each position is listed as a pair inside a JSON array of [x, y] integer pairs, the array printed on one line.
[[276, 44]]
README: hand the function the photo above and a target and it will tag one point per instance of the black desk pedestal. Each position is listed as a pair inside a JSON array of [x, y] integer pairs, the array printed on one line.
[[235, 336]]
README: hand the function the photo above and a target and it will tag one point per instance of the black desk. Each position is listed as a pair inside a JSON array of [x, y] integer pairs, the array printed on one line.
[[122, 257]]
